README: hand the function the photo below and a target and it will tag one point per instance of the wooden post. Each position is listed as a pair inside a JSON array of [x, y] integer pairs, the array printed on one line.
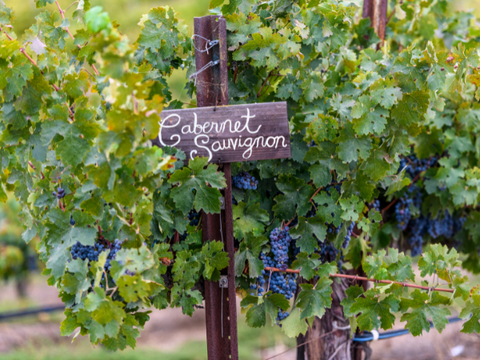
[[376, 10], [220, 297]]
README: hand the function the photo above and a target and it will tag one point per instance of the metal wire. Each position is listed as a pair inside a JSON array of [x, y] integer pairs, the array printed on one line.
[[208, 43], [208, 65]]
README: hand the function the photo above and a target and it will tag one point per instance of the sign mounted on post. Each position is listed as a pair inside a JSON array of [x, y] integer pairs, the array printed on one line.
[[228, 134]]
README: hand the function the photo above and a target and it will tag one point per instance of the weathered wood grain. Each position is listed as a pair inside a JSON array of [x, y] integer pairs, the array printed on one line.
[[228, 133]]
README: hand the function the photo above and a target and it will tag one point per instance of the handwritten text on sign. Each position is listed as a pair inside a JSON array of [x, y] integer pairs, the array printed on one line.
[[229, 133]]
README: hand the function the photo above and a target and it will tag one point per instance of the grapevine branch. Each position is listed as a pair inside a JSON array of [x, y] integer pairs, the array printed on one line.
[[70, 33], [29, 58], [354, 277]]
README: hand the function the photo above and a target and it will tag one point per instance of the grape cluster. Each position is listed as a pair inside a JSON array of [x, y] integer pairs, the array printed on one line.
[[441, 227], [415, 166], [280, 241], [327, 251], [245, 181], [60, 193], [279, 282], [348, 237], [72, 222], [194, 217], [402, 212], [446, 226], [375, 204], [84, 252], [419, 228]]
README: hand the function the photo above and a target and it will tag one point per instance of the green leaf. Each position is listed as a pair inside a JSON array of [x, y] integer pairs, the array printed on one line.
[[307, 265], [411, 108], [357, 251], [93, 206], [295, 198], [422, 307], [294, 325], [376, 166], [257, 312], [375, 313], [248, 219], [313, 300], [350, 147], [471, 311], [352, 208], [97, 20], [440, 260], [249, 251], [309, 232], [214, 258], [215, 3], [42, 3], [371, 118], [385, 93], [352, 292], [133, 288], [196, 177]]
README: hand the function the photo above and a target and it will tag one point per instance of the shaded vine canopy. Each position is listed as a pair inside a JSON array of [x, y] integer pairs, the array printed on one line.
[[385, 155]]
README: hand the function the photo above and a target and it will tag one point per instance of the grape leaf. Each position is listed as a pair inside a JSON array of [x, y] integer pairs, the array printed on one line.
[[307, 264], [308, 233], [422, 307], [248, 219], [375, 313], [411, 108], [471, 312], [351, 147], [313, 300], [295, 198], [249, 251], [294, 325], [196, 177]]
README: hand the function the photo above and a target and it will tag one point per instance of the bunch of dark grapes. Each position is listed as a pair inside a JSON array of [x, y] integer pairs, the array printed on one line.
[[441, 227], [280, 241], [60, 193], [327, 250], [419, 228], [414, 166], [278, 282], [375, 204], [245, 181], [91, 253], [403, 212], [194, 217]]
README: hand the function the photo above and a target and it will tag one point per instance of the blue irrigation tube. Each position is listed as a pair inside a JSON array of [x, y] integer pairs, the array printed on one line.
[[16, 314], [368, 336]]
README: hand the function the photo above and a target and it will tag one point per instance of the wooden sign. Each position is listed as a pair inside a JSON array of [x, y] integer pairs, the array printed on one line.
[[228, 133]]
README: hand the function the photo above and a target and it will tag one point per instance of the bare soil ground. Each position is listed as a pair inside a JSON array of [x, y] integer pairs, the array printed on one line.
[[170, 329]]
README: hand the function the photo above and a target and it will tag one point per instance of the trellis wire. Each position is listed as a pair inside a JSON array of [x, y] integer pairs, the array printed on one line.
[[354, 277]]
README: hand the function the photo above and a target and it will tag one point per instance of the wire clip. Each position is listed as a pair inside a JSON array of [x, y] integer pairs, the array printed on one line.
[[208, 65], [375, 334]]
